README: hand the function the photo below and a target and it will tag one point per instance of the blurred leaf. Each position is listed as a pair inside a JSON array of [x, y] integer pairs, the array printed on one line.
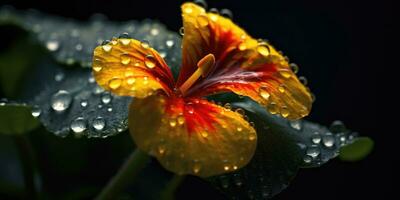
[[73, 42], [14, 65], [358, 150], [16, 119], [283, 148]]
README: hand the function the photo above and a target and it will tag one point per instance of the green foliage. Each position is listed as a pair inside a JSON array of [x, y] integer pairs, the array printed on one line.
[[16, 119], [358, 150]]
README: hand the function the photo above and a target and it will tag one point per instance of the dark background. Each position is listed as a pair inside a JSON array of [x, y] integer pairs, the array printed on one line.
[[340, 47]]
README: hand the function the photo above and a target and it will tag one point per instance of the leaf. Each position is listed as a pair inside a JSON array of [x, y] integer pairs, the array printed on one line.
[[13, 67], [72, 42], [69, 101], [283, 148], [358, 150], [16, 119]]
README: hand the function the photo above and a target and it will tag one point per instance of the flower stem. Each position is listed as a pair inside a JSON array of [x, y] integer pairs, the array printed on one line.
[[125, 175], [169, 192], [26, 156]]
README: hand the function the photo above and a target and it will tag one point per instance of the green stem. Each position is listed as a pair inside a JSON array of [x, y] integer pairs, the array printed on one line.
[[26, 156], [125, 175], [169, 192]]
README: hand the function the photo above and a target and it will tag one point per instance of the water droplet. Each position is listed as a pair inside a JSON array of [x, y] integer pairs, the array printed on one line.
[[106, 98], [115, 83], [201, 3], [170, 43], [188, 9], [149, 61], [242, 46], [97, 65], [59, 77], [109, 109], [78, 125], [52, 45], [161, 149], [78, 47], [202, 20], [204, 134], [263, 49], [98, 123], [285, 73], [36, 111], [316, 138], [228, 106], [294, 67], [328, 140], [61, 100], [296, 124], [273, 108], [172, 122], [313, 151], [84, 103], [303, 80], [264, 93], [181, 119], [239, 129], [145, 44], [226, 167], [307, 159], [125, 59], [196, 167], [154, 31], [252, 137], [227, 13], [182, 31], [130, 80], [285, 111], [107, 48], [281, 88]]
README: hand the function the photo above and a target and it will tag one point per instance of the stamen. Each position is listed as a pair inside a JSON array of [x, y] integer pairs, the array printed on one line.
[[205, 66]]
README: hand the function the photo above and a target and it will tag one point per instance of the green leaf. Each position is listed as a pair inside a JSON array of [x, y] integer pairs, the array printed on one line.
[[358, 150], [283, 148], [72, 42], [15, 63], [16, 119]]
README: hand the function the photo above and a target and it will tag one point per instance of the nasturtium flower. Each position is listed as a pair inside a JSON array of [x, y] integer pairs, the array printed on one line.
[[172, 120]]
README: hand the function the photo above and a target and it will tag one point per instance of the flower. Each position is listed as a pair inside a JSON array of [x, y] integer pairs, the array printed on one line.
[[172, 121]]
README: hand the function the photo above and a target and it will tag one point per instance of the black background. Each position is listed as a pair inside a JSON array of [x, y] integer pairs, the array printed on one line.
[[340, 47]]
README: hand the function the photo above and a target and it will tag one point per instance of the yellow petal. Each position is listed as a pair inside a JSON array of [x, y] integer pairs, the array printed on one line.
[[128, 67], [192, 136]]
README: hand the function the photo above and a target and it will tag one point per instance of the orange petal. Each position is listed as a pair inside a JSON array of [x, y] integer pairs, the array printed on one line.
[[128, 67], [243, 65], [192, 136]]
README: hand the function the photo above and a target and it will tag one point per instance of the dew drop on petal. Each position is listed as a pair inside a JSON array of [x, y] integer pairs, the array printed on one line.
[[115, 83], [285, 73], [61, 100], [107, 48], [125, 59], [84, 103], [149, 62], [263, 49], [264, 92], [145, 44]]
